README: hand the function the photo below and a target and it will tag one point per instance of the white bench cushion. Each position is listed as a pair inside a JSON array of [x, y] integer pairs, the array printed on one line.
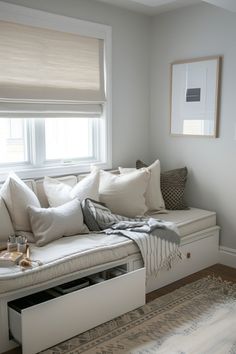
[[65, 256], [190, 221], [71, 254]]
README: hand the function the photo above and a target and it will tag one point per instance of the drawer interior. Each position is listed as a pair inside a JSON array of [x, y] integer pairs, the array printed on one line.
[[74, 307], [66, 288]]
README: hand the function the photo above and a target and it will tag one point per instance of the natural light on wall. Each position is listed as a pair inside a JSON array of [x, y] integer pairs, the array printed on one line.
[[197, 126], [193, 127]]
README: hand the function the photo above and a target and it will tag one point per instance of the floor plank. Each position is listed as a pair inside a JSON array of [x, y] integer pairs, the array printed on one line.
[[218, 270]]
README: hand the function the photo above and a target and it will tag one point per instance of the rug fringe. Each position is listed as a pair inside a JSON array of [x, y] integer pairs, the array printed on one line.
[[226, 284]]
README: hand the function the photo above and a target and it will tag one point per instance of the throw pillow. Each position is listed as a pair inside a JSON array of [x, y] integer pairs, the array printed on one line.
[[52, 223], [6, 225], [59, 193], [17, 197], [173, 187], [124, 194], [153, 196], [173, 184], [98, 217]]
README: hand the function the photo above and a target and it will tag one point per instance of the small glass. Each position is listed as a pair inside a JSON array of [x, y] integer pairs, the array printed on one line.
[[21, 244], [12, 244]]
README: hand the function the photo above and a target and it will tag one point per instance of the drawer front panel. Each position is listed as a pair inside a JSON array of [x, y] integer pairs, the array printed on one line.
[[51, 322], [197, 255]]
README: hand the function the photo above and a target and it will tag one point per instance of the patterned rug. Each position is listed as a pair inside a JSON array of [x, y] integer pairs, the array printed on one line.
[[199, 318]]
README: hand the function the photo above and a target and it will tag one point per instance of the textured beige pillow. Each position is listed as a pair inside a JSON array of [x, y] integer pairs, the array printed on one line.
[[59, 193], [6, 228], [153, 196], [124, 194], [17, 197], [52, 223], [173, 184]]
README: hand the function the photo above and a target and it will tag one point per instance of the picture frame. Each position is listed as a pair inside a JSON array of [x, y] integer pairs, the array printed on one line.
[[194, 98]]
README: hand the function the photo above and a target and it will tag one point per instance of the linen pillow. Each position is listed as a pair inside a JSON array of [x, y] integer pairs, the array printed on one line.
[[173, 184], [17, 197], [6, 228], [59, 193], [49, 224], [124, 194], [153, 196]]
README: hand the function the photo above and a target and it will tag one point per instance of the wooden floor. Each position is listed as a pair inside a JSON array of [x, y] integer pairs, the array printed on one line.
[[218, 270]]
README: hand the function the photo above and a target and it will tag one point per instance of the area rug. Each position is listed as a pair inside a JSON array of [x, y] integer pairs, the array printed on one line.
[[199, 318]]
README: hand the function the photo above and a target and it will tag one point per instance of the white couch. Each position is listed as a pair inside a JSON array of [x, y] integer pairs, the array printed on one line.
[[75, 257]]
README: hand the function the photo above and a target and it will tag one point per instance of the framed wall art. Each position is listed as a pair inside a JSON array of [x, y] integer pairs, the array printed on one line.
[[195, 97]]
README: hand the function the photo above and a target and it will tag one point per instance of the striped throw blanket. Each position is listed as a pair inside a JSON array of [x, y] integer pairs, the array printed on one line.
[[157, 240]]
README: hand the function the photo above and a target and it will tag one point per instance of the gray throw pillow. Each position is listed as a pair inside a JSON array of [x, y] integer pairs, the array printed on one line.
[[98, 217], [49, 224], [172, 187]]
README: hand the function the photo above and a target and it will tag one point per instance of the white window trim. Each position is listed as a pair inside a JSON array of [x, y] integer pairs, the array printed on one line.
[[38, 18]]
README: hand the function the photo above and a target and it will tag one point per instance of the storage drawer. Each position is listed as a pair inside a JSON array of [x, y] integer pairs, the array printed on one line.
[[54, 319], [197, 255]]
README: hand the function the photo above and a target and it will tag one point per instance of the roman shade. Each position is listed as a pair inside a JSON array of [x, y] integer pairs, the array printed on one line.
[[48, 71]]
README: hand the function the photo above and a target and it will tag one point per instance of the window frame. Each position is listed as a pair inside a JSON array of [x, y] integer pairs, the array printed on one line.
[[38, 18]]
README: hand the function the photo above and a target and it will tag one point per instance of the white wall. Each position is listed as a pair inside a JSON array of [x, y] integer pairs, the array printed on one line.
[[130, 70], [195, 31]]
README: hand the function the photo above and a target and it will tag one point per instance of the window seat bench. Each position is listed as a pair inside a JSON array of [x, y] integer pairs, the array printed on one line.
[[77, 257]]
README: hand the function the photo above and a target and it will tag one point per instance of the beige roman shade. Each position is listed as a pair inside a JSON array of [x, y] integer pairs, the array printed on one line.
[[43, 70]]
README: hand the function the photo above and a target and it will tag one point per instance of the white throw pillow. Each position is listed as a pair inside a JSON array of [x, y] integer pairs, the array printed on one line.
[[59, 193], [17, 197], [6, 228], [154, 199], [124, 194], [49, 224]]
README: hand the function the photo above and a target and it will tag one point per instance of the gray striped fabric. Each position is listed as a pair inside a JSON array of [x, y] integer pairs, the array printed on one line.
[[157, 240], [98, 217]]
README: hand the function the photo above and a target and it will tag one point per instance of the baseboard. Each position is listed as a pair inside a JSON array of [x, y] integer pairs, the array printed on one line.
[[227, 256]]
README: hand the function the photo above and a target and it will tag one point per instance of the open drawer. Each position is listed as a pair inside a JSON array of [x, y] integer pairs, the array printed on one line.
[[42, 320]]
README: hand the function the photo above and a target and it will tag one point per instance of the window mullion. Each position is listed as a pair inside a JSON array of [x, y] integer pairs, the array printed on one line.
[[27, 141], [38, 142], [95, 143]]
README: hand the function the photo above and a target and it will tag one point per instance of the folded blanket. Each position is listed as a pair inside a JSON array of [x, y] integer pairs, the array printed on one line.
[[157, 240]]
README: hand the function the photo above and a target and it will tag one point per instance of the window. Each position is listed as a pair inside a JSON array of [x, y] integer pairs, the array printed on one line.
[[55, 106], [13, 141], [48, 141], [73, 139]]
